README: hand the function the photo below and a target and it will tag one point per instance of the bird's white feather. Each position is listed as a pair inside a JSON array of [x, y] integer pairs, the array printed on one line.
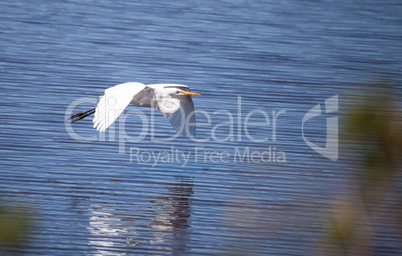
[[179, 110], [112, 104]]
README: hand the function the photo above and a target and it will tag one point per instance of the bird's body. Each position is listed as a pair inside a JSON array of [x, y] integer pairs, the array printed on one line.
[[173, 100]]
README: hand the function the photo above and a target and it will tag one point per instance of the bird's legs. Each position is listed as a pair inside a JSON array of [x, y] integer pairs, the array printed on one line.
[[80, 115]]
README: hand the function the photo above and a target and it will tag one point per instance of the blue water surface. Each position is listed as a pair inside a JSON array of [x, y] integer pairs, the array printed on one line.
[[105, 195]]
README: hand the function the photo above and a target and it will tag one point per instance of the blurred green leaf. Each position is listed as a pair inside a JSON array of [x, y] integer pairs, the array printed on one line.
[[14, 223]]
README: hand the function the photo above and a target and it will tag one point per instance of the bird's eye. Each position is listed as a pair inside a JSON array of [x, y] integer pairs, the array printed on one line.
[[178, 92]]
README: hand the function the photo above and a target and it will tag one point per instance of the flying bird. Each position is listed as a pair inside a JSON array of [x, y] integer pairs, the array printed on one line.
[[173, 100]]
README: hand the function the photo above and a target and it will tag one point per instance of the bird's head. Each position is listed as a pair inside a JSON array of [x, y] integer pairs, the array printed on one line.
[[178, 92]]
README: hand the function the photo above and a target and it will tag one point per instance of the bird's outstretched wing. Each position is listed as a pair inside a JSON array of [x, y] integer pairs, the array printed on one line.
[[183, 120], [112, 104]]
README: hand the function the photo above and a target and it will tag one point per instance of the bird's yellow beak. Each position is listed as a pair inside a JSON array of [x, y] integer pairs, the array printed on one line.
[[189, 93]]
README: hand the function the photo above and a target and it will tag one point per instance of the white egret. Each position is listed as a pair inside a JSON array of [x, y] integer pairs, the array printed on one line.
[[173, 100]]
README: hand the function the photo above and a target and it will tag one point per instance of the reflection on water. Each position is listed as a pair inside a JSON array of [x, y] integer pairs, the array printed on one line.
[[105, 230], [171, 211], [117, 228]]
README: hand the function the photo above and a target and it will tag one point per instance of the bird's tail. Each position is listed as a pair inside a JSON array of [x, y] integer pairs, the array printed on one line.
[[80, 115]]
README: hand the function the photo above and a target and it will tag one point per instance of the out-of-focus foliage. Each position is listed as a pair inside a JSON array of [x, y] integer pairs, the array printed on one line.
[[14, 223], [367, 219], [374, 127]]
